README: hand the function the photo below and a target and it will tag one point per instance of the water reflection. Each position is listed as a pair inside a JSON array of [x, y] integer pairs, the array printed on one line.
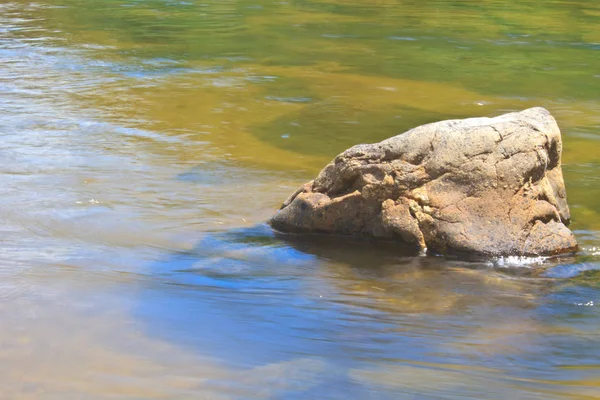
[[361, 301], [145, 142]]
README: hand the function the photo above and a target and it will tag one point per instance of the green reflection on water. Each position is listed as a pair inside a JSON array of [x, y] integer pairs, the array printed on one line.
[[290, 84], [500, 47]]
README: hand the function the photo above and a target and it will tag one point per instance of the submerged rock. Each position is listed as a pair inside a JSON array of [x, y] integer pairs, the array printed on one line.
[[480, 185]]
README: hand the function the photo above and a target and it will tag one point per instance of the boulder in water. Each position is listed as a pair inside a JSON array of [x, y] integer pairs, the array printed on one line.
[[491, 186]]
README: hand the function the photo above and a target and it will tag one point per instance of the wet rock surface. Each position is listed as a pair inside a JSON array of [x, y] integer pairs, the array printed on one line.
[[490, 186]]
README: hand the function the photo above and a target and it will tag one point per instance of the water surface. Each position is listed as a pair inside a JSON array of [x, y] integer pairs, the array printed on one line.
[[144, 142]]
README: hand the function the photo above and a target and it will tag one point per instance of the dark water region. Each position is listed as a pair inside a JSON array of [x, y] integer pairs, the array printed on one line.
[[145, 142]]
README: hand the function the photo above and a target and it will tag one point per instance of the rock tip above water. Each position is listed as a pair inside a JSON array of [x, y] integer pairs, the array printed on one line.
[[491, 186]]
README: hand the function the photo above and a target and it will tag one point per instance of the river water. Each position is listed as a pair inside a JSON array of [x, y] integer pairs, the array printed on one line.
[[144, 142]]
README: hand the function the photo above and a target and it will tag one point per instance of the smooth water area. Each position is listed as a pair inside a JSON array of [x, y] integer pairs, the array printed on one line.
[[144, 143]]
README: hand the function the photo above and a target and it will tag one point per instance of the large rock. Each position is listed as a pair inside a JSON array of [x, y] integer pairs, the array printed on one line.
[[479, 185]]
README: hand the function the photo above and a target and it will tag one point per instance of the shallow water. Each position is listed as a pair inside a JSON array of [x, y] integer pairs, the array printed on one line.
[[144, 143]]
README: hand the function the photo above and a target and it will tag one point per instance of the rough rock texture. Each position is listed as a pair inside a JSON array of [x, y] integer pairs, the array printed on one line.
[[480, 185]]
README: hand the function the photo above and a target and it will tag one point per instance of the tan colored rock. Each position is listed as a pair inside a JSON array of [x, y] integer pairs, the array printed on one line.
[[479, 185]]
